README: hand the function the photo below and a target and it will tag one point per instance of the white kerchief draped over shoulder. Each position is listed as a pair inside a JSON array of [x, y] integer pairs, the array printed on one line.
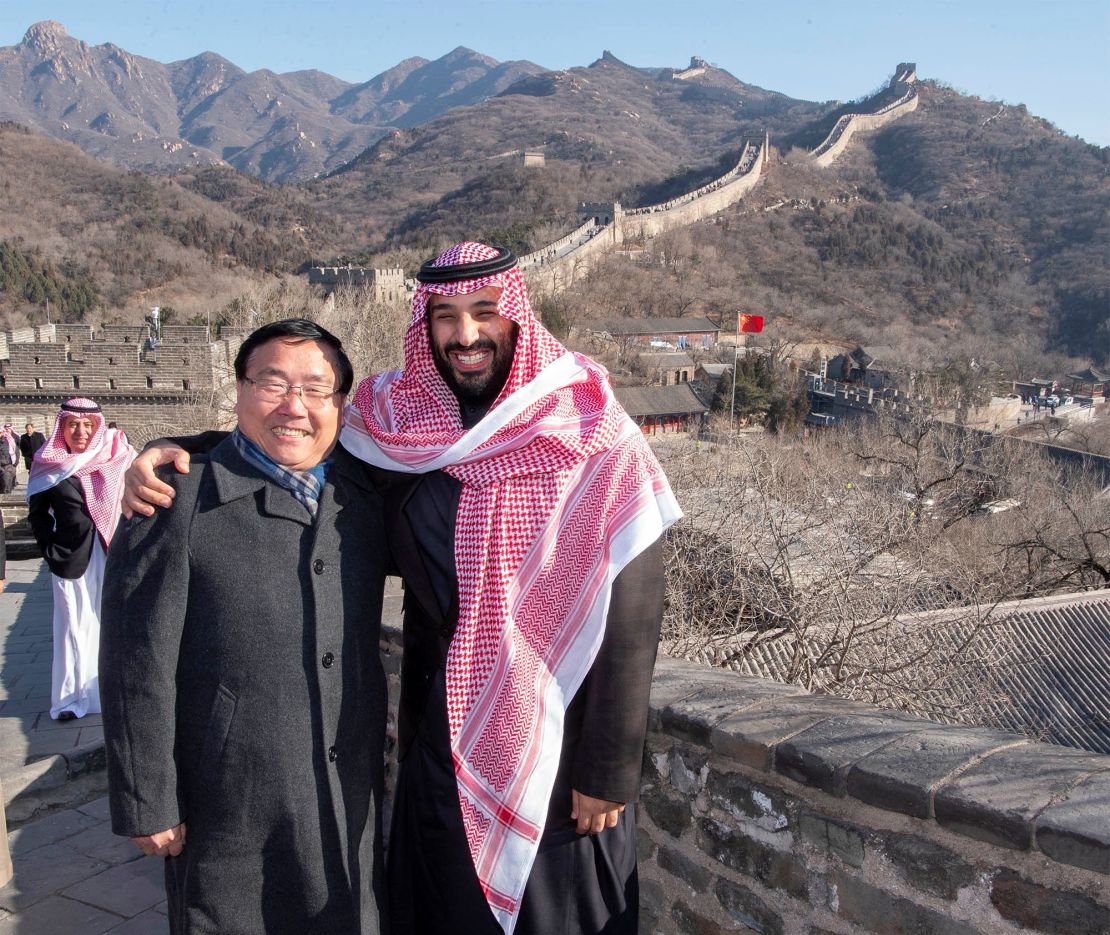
[[560, 491], [99, 468]]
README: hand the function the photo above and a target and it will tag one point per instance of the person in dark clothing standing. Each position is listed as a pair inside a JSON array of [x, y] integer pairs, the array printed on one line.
[[244, 694], [30, 442], [525, 514], [9, 458]]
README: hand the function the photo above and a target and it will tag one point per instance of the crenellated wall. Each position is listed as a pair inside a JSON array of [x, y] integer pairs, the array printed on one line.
[[140, 384], [843, 130], [557, 265], [643, 223]]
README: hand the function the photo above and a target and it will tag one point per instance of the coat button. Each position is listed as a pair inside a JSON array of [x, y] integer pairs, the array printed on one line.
[[318, 566], [327, 660], [332, 754], [445, 631]]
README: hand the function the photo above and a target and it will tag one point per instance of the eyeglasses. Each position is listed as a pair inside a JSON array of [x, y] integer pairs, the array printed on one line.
[[313, 395]]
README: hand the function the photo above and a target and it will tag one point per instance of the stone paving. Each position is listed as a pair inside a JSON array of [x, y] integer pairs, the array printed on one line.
[[26, 731], [72, 875]]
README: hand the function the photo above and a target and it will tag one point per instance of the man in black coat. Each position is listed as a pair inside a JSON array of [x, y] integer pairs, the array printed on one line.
[[244, 697], [30, 442], [533, 570]]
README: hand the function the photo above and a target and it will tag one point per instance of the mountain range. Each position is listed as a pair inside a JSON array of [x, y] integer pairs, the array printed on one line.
[[963, 224], [142, 114]]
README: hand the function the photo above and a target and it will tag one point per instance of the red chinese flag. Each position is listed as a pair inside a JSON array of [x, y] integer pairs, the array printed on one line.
[[751, 324]]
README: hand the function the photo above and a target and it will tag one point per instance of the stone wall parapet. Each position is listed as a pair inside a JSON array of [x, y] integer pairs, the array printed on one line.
[[552, 250], [765, 805], [833, 144]]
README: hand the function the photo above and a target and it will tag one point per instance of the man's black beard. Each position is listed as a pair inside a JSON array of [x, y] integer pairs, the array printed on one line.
[[484, 388]]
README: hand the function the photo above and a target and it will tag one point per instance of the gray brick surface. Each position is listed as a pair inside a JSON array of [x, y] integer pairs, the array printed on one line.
[[878, 911], [997, 800], [45, 871], [822, 755], [100, 843], [902, 775], [49, 830], [59, 916], [1054, 910], [126, 890], [752, 736], [719, 695], [150, 922], [1077, 830], [672, 681]]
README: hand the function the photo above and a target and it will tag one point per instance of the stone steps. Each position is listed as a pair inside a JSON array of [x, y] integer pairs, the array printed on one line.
[[17, 533]]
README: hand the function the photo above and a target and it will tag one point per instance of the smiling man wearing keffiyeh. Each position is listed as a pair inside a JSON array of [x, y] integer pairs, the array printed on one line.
[[528, 537]]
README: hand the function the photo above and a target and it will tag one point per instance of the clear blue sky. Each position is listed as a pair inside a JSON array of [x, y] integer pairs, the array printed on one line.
[[1050, 55]]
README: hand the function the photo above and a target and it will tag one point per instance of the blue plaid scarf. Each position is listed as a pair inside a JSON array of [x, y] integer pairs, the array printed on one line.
[[304, 485]]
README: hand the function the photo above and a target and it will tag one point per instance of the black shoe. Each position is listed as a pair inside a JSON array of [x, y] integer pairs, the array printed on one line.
[[67, 716]]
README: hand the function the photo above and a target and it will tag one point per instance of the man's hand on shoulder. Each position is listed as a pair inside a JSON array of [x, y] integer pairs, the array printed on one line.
[[142, 489], [593, 815], [168, 843]]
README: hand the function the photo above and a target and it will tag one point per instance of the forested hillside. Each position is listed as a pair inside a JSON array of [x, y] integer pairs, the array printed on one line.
[[963, 228]]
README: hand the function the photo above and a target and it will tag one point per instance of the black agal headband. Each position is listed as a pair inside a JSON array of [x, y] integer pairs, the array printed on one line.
[[79, 407], [504, 260]]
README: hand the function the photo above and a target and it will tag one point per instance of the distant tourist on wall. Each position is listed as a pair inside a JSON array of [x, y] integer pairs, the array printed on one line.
[[30, 442], [5, 853], [9, 458], [74, 493]]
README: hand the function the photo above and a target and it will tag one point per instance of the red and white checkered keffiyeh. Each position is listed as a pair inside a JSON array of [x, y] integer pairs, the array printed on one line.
[[560, 492], [99, 468], [12, 442]]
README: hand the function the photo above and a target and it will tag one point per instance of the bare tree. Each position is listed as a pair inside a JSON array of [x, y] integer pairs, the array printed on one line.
[[372, 332], [810, 563]]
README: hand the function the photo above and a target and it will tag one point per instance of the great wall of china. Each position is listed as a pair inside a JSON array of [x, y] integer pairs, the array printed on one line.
[[763, 808], [144, 382], [905, 81], [607, 224]]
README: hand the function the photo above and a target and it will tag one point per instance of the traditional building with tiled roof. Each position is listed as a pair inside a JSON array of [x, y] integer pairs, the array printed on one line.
[[1089, 382], [682, 333], [663, 409]]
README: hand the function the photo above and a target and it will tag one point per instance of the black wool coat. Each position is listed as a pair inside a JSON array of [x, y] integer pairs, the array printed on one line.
[[63, 528], [243, 694], [29, 444]]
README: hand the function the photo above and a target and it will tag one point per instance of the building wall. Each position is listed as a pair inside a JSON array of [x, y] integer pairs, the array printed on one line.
[[146, 389]]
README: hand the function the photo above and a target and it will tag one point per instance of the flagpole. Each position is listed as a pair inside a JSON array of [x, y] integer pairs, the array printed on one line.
[[735, 355]]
